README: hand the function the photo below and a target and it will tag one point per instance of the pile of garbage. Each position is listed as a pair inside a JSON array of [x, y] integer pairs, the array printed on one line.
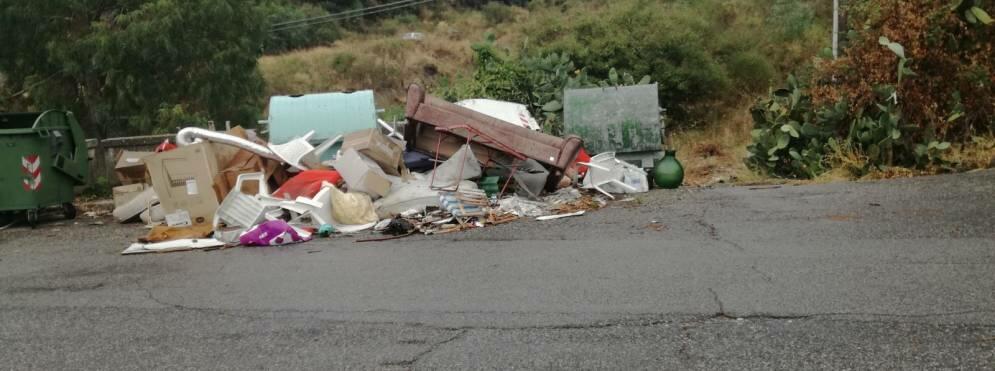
[[452, 167]]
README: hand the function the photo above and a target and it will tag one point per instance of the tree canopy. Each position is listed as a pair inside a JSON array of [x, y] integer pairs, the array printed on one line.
[[134, 66]]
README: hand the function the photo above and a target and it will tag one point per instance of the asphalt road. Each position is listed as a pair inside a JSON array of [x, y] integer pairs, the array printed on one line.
[[886, 275]]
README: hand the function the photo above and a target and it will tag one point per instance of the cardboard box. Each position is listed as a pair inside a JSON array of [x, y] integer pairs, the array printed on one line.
[[241, 162], [129, 167], [126, 193], [362, 174], [184, 180], [376, 146]]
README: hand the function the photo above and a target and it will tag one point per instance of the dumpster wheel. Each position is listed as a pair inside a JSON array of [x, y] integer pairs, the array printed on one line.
[[69, 210], [32, 216]]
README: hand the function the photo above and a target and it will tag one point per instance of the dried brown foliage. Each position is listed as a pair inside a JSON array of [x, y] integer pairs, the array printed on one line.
[[954, 61]]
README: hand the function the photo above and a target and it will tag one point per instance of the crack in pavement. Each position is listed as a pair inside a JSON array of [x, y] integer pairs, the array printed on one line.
[[715, 296], [685, 334], [434, 347], [766, 276], [687, 320], [731, 315], [220, 312], [713, 231]]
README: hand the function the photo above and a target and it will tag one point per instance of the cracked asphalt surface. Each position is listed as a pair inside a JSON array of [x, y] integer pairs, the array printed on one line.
[[884, 275]]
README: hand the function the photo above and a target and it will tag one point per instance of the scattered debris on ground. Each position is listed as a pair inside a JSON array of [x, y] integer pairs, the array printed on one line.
[[450, 168]]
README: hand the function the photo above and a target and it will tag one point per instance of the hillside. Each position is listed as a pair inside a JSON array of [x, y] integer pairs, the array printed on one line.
[[379, 56], [384, 60], [714, 56]]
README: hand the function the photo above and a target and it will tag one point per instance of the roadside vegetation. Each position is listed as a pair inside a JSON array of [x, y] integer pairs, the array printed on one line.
[[750, 88], [128, 67], [711, 59], [914, 93]]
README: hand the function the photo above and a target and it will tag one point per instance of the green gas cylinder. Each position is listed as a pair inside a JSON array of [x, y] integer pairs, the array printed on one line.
[[668, 172]]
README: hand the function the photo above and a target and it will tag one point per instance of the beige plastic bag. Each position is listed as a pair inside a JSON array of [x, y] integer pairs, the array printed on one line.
[[352, 208]]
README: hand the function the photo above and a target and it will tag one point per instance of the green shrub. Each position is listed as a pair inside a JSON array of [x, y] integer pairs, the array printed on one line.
[[297, 37], [695, 50], [937, 57], [664, 45], [99, 189], [750, 71], [918, 72], [169, 118], [342, 63], [497, 13], [538, 82], [789, 138], [794, 138]]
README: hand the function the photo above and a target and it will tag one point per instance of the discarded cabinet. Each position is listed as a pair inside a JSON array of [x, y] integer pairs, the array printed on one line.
[[184, 180]]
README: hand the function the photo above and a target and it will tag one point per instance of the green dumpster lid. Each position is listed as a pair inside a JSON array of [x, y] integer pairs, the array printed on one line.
[[615, 119]]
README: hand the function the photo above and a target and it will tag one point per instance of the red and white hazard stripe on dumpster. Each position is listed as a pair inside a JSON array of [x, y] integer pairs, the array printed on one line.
[[31, 167]]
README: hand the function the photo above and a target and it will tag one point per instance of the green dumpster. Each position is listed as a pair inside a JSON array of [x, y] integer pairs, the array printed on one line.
[[42, 157]]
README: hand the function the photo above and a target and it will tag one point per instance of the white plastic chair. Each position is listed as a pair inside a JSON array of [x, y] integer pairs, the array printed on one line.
[[242, 210], [299, 152], [605, 169]]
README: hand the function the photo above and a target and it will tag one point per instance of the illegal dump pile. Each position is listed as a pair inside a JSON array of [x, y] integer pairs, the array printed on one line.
[[330, 167]]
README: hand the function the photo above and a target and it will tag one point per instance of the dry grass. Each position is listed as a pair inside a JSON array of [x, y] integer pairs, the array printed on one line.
[[715, 153], [979, 153], [848, 163], [845, 161], [383, 61]]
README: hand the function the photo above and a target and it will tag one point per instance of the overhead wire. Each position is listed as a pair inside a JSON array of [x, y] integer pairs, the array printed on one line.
[[362, 13], [305, 20], [308, 22]]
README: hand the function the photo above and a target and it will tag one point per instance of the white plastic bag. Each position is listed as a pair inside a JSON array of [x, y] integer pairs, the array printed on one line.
[[447, 175]]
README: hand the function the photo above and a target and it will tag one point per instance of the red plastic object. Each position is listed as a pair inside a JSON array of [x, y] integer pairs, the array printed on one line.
[[165, 146], [307, 184], [582, 156]]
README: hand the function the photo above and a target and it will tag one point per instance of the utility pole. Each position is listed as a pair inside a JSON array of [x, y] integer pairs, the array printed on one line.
[[836, 29]]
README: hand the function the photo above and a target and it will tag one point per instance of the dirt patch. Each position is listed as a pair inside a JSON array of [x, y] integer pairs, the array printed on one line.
[[843, 218], [707, 150], [656, 226]]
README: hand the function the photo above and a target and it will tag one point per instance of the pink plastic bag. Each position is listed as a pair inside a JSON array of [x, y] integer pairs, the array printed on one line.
[[273, 233]]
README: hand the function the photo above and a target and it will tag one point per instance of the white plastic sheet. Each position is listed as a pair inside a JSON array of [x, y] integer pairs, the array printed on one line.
[[171, 246], [514, 113], [447, 175]]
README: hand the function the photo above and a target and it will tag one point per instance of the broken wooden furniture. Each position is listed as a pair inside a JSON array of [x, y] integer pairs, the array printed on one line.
[[425, 113]]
